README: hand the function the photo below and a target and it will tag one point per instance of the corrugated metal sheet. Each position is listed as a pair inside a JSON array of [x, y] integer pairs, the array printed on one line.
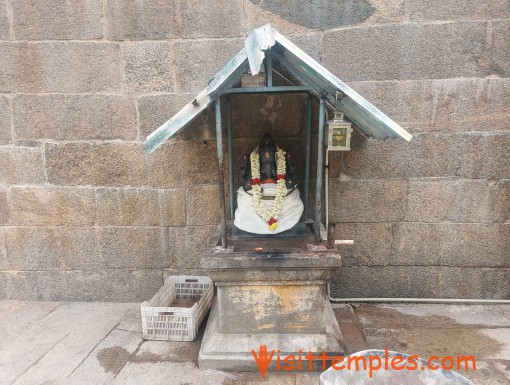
[[300, 69]]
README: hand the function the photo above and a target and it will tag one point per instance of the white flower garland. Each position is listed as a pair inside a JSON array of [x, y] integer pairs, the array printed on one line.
[[271, 217]]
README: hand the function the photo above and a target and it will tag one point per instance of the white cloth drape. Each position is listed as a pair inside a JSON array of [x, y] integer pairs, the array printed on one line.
[[247, 219]]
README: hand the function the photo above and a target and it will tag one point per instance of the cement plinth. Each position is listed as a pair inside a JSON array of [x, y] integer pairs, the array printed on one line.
[[274, 299]]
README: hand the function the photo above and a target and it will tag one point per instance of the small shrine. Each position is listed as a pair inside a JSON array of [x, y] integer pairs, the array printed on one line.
[[274, 251]]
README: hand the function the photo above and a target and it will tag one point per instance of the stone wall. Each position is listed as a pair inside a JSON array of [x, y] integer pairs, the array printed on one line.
[[86, 215]]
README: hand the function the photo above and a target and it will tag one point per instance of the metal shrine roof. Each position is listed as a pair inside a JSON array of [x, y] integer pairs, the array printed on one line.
[[298, 68]]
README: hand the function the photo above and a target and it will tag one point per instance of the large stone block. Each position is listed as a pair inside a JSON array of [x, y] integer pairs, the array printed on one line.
[[456, 200], [79, 20], [386, 282], [115, 285], [499, 29], [202, 205], [154, 110], [5, 121], [5, 208], [98, 164], [60, 67], [71, 248], [435, 10], [4, 21], [196, 62], [187, 245], [372, 243], [367, 200], [34, 285], [53, 206], [149, 66], [173, 207], [137, 20], [410, 51], [182, 164], [128, 207], [74, 117], [483, 245], [21, 165], [320, 14], [465, 282], [134, 247], [458, 105], [118, 285], [469, 155], [32, 248]]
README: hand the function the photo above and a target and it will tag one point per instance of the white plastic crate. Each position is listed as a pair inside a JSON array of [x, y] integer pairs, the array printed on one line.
[[160, 321]]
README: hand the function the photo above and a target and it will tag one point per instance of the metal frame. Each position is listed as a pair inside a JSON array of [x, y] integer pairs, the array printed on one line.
[[308, 119]]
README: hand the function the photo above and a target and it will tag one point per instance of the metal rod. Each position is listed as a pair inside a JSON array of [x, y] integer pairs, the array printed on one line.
[[307, 152], [330, 243], [269, 68], [230, 158], [320, 170], [221, 174], [276, 89]]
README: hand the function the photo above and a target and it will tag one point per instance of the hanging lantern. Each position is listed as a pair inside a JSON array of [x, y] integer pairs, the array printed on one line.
[[339, 133]]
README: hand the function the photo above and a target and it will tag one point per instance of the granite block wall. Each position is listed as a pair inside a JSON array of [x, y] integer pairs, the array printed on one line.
[[86, 215]]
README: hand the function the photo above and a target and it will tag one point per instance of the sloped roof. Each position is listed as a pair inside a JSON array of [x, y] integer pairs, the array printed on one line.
[[299, 69]]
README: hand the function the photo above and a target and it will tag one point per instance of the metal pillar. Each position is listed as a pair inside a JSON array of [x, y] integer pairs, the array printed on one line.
[[307, 154], [269, 68], [221, 174], [230, 159], [320, 171]]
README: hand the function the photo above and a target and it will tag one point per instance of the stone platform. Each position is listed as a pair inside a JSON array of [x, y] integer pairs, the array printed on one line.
[[275, 297]]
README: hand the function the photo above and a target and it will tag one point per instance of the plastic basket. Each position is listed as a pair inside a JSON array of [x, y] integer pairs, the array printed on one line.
[[160, 321]]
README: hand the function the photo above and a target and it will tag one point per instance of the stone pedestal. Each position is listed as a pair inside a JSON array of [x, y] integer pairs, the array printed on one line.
[[274, 298]]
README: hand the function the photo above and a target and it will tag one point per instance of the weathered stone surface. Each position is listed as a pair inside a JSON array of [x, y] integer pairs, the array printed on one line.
[[21, 165], [127, 207], [386, 282], [139, 247], [466, 282], [409, 51], [498, 62], [470, 155], [5, 121], [320, 14], [31, 248], [141, 207], [182, 164], [5, 208], [52, 206], [202, 205], [4, 21], [196, 62], [427, 10], [74, 117], [484, 245], [154, 110], [59, 67], [160, 20], [186, 245], [367, 200], [372, 243], [149, 66], [79, 20], [99, 164], [448, 200], [118, 285], [442, 105], [173, 207]]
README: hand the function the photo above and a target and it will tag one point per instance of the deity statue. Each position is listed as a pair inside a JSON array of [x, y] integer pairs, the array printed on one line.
[[268, 201]]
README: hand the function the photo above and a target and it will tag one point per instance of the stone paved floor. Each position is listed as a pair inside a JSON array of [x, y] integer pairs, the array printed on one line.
[[100, 343]]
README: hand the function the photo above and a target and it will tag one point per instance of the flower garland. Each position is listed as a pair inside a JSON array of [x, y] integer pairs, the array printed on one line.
[[271, 217]]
